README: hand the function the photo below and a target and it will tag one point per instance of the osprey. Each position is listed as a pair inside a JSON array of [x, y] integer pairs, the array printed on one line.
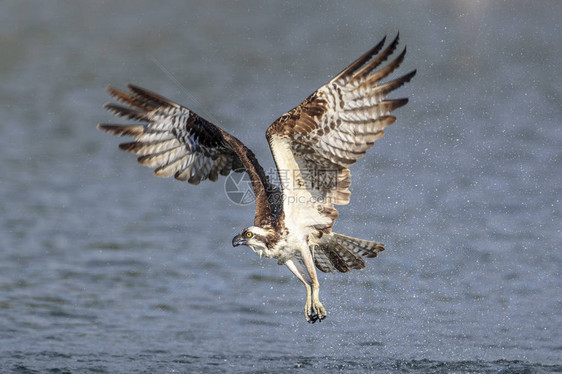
[[313, 146]]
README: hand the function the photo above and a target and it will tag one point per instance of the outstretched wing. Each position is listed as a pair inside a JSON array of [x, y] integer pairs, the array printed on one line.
[[177, 142], [315, 143]]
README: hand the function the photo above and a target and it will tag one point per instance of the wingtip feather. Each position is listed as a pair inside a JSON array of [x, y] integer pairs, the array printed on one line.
[[357, 64], [121, 130], [151, 96]]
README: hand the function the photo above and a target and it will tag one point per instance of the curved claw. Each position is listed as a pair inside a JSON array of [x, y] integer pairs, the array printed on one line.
[[315, 312], [310, 315], [319, 310]]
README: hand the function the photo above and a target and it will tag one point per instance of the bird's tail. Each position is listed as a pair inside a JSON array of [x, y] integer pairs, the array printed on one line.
[[343, 253]]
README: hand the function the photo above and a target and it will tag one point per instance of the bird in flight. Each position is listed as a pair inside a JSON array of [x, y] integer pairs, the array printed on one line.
[[313, 146]]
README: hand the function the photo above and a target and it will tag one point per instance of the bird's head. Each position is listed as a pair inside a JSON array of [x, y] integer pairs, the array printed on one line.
[[259, 239]]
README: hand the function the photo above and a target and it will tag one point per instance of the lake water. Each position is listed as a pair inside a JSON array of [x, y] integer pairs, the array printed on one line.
[[107, 269]]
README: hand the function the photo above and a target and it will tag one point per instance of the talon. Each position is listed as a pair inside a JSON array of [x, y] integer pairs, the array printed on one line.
[[311, 314], [319, 311], [314, 312]]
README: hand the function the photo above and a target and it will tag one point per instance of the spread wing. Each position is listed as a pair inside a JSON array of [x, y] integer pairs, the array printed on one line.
[[315, 143], [177, 142]]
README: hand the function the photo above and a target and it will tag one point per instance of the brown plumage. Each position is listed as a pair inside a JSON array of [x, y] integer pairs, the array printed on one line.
[[313, 145], [177, 142]]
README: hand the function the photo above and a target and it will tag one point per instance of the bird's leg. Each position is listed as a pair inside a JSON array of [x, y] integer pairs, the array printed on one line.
[[317, 306], [300, 272]]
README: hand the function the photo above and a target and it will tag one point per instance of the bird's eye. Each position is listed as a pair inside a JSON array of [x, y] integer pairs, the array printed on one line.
[[249, 235]]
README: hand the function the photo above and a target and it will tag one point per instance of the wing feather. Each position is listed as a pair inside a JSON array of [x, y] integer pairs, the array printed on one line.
[[125, 112], [347, 73], [328, 132], [177, 142]]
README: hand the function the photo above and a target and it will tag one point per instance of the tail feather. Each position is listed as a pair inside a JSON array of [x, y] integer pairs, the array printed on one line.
[[362, 247], [343, 253]]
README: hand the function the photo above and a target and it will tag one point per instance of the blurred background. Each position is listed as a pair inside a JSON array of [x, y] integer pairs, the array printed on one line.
[[105, 268]]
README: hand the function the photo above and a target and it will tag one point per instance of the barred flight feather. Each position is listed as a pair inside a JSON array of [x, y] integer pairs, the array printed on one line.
[[344, 252], [337, 124], [177, 142]]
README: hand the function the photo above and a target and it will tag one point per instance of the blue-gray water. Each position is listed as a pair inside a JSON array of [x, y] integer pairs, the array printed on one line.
[[105, 268]]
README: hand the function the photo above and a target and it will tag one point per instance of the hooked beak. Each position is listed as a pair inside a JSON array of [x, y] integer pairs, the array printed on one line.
[[237, 240]]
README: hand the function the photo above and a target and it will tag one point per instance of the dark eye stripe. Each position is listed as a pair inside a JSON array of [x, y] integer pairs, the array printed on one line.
[[259, 238]]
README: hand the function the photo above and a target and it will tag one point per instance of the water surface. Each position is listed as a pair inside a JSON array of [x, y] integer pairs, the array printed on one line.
[[104, 268]]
